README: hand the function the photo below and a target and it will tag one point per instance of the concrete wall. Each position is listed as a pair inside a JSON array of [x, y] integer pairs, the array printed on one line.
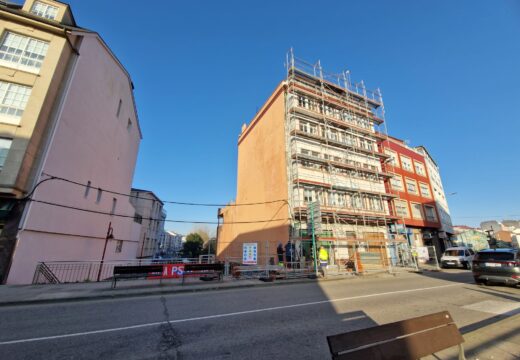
[[91, 144], [261, 176]]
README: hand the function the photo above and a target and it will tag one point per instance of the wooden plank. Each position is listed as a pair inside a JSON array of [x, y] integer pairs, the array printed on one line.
[[411, 347], [354, 339]]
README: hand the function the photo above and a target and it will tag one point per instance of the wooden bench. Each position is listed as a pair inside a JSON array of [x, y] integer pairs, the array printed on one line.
[[210, 271], [408, 339], [135, 272]]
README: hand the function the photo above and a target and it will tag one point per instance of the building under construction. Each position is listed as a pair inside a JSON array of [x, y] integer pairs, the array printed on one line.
[[315, 140]]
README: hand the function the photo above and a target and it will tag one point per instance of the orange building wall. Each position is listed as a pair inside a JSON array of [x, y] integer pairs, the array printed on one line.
[[261, 177]]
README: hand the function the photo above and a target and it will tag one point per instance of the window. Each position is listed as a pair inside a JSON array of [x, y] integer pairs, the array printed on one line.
[[138, 218], [119, 107], [401, 208], [425, 190], [406, 163], [419, 168], [44, 10], [5, 145], [13, 99], [430, 213], [119, 246], [308, 195], [22, 52], [393, 157], [417, 212], [397, 182], [411, 186]]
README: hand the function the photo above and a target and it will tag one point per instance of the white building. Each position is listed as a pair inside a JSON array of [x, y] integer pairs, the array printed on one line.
[[172, 243], [438, 192], [150, 214]]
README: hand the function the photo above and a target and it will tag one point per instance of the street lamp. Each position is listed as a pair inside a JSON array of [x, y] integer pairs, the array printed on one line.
[[110, 235]]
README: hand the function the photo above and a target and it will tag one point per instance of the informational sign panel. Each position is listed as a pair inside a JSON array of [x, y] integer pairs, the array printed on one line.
[[316, 217], [250, 253], [422, 254]]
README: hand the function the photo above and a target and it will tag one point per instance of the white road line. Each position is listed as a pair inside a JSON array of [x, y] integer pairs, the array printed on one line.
[[220, 315]]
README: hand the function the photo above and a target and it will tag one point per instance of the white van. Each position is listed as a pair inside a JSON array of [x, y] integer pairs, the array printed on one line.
[[457, 257]]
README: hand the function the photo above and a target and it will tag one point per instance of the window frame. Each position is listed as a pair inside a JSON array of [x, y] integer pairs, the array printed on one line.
[[423, 216], [435, 217], [47, 7], [415, 183], [407, 216], [22, 56], [397, 176], [429, 196], [421, 165], [394, 156], [404, 157], [14, 119]]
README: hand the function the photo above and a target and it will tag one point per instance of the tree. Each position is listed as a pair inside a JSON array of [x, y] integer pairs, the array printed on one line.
[[212, 242], [192, 248], [203, 231]]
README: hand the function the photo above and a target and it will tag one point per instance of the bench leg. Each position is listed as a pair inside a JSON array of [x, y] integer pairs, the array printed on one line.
[[461, 352]]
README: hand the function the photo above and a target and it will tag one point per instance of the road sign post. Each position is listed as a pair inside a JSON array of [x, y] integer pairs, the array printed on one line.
[[315, 224]]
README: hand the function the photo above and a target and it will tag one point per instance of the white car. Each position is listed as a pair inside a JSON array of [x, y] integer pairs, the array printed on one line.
[[457, 257]]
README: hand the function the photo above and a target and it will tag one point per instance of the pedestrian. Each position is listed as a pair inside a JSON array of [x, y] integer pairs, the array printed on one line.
[[323, 256], [279, 252], [289, 253]]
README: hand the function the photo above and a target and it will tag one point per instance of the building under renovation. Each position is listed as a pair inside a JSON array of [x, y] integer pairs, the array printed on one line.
[[315, 140]]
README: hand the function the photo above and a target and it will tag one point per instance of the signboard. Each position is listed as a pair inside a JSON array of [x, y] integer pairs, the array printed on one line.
[[173, 271], [249, 253], [316, 218], [422, 254]]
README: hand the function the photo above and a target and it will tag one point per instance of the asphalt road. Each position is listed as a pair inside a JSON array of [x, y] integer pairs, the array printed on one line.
[[279, 322]]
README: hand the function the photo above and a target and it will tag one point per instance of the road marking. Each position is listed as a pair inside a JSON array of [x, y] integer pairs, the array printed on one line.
[[494, 307], [208, 317]]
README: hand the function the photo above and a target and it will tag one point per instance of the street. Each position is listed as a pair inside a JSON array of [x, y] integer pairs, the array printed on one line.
[[278, 322]]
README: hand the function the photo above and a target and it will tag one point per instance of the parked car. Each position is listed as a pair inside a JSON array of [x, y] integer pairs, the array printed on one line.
[[457, 257], [497, 265]]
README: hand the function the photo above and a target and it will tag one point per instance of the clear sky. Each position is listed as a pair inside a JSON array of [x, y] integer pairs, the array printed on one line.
[[449, 72]]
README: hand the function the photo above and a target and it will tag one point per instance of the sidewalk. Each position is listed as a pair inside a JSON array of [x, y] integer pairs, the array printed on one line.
[[497, 340], [12, 295]]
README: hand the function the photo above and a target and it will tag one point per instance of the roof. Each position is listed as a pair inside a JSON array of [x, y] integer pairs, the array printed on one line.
[[427, 153], [147, 192], [17, 10]]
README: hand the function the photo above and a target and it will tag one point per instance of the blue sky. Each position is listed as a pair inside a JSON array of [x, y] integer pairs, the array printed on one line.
[[449, 72]]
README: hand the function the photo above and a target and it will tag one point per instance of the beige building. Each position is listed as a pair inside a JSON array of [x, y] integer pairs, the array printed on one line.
[[67, 110], [150, 214], [313, 141]]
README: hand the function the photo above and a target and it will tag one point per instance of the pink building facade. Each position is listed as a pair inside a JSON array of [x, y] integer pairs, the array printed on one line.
[[94, 140]]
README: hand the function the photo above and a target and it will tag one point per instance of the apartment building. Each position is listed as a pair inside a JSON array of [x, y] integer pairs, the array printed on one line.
[[149, 213], [313, 141], [438, 194], [66, 110], [414, 205]]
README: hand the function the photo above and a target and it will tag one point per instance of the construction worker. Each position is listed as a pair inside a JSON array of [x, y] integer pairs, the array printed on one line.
[[279, 252], [323, 256]]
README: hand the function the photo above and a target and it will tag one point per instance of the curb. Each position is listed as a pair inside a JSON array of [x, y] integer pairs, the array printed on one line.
[[172, 291]]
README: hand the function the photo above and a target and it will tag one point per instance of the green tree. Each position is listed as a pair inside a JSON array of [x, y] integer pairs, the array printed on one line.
[[193, 246]]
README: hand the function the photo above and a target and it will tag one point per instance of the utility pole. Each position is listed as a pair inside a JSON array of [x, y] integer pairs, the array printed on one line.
[[110, 235]]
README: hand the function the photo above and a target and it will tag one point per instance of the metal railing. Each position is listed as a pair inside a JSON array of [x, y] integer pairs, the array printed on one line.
[[54, 272]]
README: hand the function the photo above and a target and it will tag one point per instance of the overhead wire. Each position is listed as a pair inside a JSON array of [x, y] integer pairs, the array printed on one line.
[[53, 177]]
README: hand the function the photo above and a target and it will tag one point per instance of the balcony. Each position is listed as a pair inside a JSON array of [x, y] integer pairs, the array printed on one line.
[[336, 142]]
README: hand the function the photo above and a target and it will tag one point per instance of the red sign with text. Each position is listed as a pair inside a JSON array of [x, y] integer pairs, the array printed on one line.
[[173, 271]]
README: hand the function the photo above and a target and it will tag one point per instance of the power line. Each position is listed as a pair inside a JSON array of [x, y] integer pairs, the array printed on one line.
[[154, 219], [52, 177]]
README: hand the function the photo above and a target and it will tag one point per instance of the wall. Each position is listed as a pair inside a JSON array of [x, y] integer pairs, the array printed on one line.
[[91, 144], [261, 176]]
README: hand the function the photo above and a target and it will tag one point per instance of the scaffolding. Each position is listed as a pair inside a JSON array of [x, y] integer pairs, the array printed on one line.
[[332, 129]]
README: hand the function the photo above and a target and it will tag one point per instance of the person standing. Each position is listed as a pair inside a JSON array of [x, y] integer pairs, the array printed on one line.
[[279, 252], [323, 256]]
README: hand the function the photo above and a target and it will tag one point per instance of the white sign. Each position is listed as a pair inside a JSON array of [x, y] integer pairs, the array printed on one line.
[[249, 253], [422, 254]]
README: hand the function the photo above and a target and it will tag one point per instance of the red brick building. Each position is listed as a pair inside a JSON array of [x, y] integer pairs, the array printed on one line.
[[415, 205]]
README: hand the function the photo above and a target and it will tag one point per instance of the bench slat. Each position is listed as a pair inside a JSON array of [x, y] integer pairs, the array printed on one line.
[[351, 340], [411, 347]]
